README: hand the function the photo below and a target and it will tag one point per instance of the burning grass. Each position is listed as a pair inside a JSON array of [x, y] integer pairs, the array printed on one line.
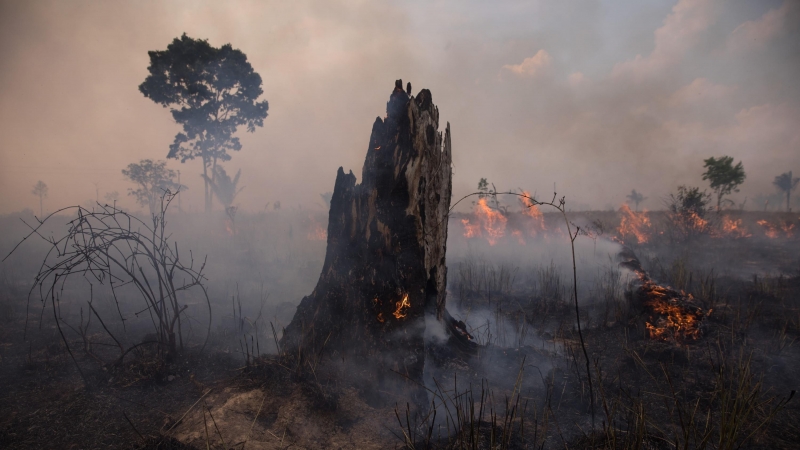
[[632, 228], [727, 385]]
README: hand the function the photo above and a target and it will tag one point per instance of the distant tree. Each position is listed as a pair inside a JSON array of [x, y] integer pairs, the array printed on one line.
[[484, 192], [224, 188], [636, 198], [483, 188], [40, 190], [786, 184], [153, 179], [112, 197], [723, 176], [211, 92]]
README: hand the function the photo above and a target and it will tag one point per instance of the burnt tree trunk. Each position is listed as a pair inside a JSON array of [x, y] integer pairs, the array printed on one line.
[[384, 269]]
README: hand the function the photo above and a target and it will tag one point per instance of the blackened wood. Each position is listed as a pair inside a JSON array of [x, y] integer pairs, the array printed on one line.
[[386, 243]]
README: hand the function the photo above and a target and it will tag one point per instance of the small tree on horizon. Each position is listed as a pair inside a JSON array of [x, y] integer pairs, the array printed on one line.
[[786, 184], [153, 179], [40, 190], [723, 176], [636, 198]]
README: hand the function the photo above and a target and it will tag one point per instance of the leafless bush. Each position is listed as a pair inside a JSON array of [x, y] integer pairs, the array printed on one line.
[[111, 247]]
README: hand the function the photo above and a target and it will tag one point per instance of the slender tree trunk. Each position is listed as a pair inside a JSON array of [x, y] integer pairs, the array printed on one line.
[[206, 187], [213, 180], [41, 209]]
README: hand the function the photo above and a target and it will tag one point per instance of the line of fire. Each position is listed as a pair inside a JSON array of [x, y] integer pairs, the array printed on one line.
[[480, 322]]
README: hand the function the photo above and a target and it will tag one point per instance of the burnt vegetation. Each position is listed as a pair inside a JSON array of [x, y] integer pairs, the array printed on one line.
[[503, 320]]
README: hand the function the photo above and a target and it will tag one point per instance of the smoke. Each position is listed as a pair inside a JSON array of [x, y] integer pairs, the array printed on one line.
[[599, 99]]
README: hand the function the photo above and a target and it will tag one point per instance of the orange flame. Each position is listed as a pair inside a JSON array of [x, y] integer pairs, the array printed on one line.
[[733, 228], [471, 230], [695, 222], [530, 209], [634, 224], [678, 320], [678, 323], [402, 308], [493, 222], [774, 231]]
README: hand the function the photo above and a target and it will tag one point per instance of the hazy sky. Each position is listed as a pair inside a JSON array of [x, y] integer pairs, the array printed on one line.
[[597, 96]]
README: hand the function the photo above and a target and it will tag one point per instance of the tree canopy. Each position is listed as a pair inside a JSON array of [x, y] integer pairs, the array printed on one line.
[[786, 184], [723, 176], [636, 198], [153, 180], [211, 92]]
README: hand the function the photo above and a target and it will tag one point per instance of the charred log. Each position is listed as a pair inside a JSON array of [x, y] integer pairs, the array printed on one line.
[[384, 269]]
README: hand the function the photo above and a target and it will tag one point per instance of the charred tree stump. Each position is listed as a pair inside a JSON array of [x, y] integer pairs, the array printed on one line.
[[384, 269]]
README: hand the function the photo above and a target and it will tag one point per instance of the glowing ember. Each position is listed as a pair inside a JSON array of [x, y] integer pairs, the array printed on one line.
[[402, 308], [679, 319], [676, 318], [380, 318], [634, 224]]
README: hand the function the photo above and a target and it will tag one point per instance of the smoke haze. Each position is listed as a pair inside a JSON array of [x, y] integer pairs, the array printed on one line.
[[599, 97]]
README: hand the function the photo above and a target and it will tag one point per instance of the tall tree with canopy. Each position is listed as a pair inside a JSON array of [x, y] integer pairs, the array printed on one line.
[[723, 176], [211, 92], [786, 184]]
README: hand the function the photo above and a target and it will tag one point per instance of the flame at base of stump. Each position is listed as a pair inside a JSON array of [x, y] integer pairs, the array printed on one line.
[[384, 270]]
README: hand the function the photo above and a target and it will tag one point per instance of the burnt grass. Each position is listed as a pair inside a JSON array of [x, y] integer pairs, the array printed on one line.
[[525, 388]]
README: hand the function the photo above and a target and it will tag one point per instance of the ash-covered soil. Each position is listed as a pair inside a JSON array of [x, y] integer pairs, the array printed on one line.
[[731, 386]]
